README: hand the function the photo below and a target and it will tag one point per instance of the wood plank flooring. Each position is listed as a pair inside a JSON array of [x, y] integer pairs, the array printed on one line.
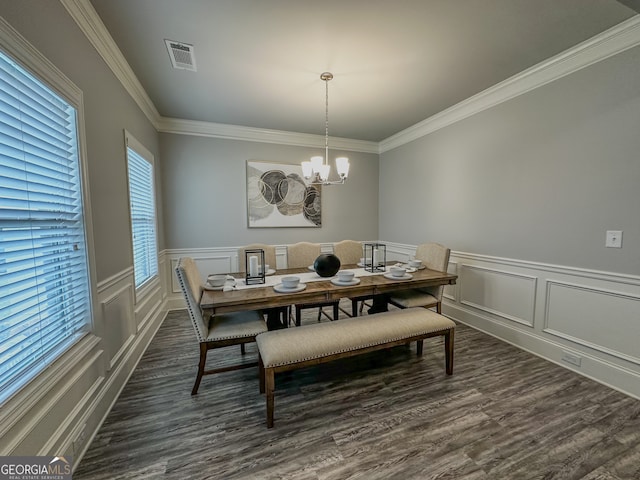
[[504, 414]]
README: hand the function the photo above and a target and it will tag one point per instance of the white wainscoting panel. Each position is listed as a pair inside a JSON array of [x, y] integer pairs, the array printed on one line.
[[502, 293], [604, 320], [554, 310], [451, 291], [119, 323]]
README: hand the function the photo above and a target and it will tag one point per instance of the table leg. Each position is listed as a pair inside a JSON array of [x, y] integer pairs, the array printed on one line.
[[380, 304], [277, 318]]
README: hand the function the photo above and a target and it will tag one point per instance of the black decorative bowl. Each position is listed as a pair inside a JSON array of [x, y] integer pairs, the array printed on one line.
[[326, 265]]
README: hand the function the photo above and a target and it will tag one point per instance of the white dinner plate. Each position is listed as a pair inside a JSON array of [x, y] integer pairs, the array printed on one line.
[[311, 267], [407, 267], [271, 271], [280, 288], [362, 265], [406, 276], [229, 283], [336, 281]]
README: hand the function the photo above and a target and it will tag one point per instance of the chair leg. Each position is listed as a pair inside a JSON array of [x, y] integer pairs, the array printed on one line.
[[448, 351], [261, 373], [269, 387], [419, 345], [319, 314], [242, 350], [439, 307], [201, 365]]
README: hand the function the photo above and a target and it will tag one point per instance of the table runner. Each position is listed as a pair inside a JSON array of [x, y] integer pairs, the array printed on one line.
[[305, 277]]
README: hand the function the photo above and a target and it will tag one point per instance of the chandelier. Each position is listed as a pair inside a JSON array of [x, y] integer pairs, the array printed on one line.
[[317, 169]]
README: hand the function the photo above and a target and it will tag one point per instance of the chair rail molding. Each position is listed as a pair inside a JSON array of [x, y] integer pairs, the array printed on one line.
[[516, 310], [61, 410]]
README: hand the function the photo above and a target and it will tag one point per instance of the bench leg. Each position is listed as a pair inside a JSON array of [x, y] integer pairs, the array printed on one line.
[[261, 373], [270, 385], [419, 344], [448, 351]]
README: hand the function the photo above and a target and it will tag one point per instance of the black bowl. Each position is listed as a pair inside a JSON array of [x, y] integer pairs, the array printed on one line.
[[326, 265]]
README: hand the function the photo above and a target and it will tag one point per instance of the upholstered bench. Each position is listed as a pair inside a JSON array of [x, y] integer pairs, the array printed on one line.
[[292, 348]]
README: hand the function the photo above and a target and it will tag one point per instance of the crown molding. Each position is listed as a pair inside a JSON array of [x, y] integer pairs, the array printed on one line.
[[617, 39], [611, 42], [91, 25], [237, 132]]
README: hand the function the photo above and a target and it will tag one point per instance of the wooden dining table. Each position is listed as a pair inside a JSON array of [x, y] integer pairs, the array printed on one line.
[[375, 286]]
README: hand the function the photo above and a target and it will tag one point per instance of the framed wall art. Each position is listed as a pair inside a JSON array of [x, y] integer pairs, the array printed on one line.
[[279, 196]]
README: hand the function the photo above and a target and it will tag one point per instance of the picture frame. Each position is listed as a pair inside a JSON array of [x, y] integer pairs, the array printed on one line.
[[279, 196]]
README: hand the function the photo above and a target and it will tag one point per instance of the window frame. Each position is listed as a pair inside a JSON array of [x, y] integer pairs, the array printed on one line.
[[37, 383], [150, 283]]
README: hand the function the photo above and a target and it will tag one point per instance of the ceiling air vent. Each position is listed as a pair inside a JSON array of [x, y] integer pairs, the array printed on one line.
[[182, 55]]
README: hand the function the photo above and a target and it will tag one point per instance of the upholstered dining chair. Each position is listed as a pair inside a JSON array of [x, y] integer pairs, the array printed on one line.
[[348, 251], [269, 255], [218, 330], [301, 255], [435, 257]]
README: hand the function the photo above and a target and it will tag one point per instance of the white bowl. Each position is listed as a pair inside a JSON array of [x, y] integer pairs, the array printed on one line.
[[346, 275], [290, 282], [398, 272], [266, 269], [216, 280], [415, 263]]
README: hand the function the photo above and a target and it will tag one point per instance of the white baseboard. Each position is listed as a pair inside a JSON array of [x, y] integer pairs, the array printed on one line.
[[598, 369]]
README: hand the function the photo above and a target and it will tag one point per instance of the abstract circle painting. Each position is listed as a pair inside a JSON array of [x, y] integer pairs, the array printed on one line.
[[277, 196]]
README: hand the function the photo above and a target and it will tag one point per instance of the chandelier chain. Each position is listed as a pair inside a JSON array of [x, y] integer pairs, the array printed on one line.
[[326, 120]]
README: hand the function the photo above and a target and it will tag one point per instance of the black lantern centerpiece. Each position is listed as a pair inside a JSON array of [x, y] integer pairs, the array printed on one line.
[[254, 266], [375, 257], [326, 265]]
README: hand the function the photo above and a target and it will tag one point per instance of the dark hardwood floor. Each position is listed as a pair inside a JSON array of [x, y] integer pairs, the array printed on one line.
[[504, 414]]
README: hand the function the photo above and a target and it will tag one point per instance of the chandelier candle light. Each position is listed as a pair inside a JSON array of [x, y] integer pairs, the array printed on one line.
[[317, 169]]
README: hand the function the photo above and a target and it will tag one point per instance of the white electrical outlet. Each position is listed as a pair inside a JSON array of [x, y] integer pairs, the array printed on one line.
[[571, 358], [614, 239]]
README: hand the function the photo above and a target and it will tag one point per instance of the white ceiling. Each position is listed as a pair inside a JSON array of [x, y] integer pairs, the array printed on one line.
[[395, 62]]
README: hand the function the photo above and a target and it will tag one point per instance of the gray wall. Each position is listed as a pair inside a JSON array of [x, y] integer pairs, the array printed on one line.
[[108, 110], [540, 177], [204, 194], [60, 410]]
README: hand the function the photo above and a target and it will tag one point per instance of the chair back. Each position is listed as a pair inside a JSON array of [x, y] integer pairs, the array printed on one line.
[[190, 283], [435, 257], [348, 251], [302, 254], [269, 255]]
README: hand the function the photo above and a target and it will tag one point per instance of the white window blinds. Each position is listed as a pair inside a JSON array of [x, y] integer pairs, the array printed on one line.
[[44, 291], [143, 216]]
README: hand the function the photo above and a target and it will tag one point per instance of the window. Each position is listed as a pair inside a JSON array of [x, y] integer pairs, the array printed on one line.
[[44, 289], [143, 211]]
